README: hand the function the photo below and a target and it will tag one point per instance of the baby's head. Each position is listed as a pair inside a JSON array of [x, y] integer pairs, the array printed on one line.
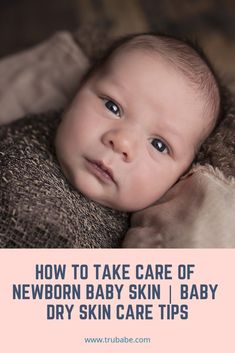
[[137, 121]]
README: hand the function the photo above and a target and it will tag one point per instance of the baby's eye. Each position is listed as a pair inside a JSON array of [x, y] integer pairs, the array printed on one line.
[[112, 107], [160, 146]]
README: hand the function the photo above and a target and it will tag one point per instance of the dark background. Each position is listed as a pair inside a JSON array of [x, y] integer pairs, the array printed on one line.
[[24, 23]]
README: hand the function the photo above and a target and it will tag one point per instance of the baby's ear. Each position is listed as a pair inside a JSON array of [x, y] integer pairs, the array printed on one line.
[[174, 190], [188, 170]]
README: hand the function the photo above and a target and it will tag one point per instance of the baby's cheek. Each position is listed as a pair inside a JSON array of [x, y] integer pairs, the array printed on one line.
[[151, 184], [90, 126], [138, 193]]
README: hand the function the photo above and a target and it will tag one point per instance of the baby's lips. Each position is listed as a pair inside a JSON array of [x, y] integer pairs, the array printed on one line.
[[101, 165], [106, 170]]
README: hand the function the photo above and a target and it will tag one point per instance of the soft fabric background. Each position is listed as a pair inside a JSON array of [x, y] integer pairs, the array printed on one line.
[[27, 22]]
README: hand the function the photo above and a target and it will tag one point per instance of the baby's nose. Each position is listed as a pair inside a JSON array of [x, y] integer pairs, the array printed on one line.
[[123, 142]]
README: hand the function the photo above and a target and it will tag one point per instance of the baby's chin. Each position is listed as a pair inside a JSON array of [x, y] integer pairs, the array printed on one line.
[[96, 195], [113, 203], [94, 192], [99, 197]]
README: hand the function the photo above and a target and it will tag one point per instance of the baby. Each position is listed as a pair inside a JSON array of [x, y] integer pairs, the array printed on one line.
[[137, 121], [133, 129]]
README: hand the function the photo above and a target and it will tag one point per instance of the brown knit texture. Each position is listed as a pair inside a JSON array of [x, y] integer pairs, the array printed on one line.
[[38, 206], [219, 148]]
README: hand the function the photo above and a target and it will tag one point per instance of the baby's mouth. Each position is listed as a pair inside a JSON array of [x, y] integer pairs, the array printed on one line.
[[101, 171]]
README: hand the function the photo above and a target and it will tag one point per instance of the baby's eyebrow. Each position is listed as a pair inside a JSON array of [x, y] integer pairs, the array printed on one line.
[[110, 86], [169, 131]]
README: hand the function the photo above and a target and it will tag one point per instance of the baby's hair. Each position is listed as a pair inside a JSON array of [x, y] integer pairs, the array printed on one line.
[[183, 54]]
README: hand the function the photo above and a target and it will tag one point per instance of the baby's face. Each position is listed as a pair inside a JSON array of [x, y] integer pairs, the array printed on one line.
[[131, 131]]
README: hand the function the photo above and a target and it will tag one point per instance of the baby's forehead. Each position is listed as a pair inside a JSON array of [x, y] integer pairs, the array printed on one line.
[[137, 60], [128, 52], [142, 62]]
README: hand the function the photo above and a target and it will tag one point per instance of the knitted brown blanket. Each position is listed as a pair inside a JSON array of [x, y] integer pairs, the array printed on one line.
[[38, 206]]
